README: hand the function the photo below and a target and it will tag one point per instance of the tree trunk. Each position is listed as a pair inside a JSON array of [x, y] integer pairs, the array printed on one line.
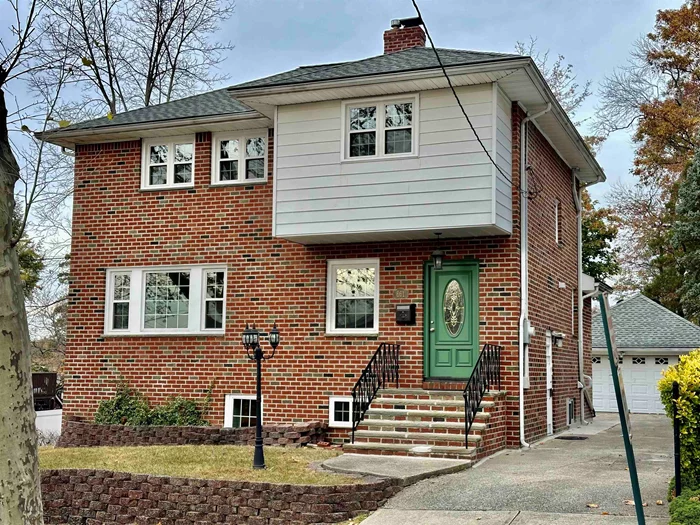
[[20, 484]]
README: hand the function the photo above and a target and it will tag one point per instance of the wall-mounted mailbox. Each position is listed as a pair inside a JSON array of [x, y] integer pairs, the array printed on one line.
[[406, 313]]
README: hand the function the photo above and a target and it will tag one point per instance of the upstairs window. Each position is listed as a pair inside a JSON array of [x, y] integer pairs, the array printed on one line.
[[168, 163], [239, 159], [380, 128]]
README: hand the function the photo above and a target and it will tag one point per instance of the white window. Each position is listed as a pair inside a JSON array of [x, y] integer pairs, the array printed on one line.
[[240, 411], [380, 128], [661, 360], [353, 296], [166, 300], [340, 411], [639, 361], [596, 360], [168, 163], [239, 159]]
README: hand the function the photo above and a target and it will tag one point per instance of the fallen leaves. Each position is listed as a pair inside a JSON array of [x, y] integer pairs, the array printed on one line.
[[592, 505]]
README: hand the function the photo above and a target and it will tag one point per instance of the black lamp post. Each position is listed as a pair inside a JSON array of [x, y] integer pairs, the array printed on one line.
[[251, 341]]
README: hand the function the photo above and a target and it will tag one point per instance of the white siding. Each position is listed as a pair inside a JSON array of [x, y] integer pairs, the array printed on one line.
[[504, 160], [450, 185]]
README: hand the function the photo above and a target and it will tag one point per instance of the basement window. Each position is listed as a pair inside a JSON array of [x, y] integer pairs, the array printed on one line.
[[167, 163], [240, 411], [177, 300], [239, 158], [380, 128], [340, 411]]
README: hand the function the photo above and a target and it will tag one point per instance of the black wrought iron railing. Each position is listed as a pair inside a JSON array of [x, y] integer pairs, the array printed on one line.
[[381, 370], [485, 376]]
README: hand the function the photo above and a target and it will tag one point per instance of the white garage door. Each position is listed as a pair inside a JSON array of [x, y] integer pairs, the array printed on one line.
[[640, 374]]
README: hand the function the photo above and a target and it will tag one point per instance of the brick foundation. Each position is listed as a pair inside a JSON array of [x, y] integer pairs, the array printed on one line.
[[94, 497], [80, 434]]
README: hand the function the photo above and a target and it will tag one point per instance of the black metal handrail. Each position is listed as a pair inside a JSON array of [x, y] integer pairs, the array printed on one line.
[[486, 375], [383, 368]]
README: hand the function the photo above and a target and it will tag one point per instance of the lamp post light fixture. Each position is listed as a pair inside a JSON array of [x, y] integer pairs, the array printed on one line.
[[438, 255], [251, 341]]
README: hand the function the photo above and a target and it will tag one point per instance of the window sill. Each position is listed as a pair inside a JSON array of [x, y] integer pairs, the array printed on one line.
[[357, 334], [212, 333], [380, 158], [167, 188], [247, 182], [339, 425]]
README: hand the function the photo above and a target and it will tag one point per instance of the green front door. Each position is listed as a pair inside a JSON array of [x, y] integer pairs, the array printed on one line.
[[451, 319]]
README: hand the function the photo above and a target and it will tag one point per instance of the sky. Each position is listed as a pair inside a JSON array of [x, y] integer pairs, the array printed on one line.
[[594, 35]]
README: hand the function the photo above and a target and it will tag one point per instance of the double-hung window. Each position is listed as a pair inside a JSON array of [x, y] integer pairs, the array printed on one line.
[[239, 159], [353, 296], [380, 128], [168, 163], [160, 300]]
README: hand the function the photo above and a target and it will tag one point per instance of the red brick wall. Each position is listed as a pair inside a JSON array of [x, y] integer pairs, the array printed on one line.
[[398, 39], [552, 265], [117, 225]]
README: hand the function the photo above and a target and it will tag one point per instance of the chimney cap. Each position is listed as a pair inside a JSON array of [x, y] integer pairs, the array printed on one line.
[[406, 22]]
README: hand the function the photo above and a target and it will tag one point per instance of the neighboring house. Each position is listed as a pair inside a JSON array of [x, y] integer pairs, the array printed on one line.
[[650, 338], [312, 198]]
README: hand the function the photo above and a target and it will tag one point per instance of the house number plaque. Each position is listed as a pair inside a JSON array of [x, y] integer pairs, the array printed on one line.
[[400, 293]]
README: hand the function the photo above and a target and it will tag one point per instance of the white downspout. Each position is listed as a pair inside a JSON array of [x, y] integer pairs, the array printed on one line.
[[579, 294], [524, 275]]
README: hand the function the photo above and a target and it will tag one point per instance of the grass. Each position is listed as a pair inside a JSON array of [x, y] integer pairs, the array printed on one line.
[[284, 465]]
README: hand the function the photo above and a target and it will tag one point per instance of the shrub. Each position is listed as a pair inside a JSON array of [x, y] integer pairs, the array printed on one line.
[[687, 374], [685, 509], [127, 407], [179, 412]]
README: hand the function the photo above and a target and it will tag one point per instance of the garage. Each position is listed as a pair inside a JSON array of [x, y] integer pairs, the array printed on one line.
[[650, 338]]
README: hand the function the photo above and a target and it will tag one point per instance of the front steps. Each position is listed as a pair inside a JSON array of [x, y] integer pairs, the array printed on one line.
[[429, 423]]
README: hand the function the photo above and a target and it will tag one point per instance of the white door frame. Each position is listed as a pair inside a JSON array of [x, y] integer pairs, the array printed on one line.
[[550, 379]]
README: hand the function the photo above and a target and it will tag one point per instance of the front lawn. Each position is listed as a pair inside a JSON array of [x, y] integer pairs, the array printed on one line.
[[284, 465]]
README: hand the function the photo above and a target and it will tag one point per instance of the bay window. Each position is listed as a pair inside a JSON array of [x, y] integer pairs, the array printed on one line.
[[165, 300]]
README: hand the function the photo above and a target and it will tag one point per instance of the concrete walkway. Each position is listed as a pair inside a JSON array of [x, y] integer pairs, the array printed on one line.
[[408, 469], [556, 477]]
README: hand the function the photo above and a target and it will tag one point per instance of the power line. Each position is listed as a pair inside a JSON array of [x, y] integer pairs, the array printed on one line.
[[459, 102]]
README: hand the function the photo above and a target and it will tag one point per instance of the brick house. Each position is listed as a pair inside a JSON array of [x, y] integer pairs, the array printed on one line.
[[312, 199]]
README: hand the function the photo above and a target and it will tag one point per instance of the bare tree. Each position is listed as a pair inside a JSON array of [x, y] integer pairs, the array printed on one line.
[[20, 490]]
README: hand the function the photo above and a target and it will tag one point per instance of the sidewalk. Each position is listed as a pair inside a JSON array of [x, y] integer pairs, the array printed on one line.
[[451, 517]]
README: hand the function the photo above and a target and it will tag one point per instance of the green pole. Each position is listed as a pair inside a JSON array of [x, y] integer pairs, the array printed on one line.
[[621, 407]]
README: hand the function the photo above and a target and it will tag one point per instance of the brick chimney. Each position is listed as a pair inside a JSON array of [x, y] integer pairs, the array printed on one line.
[[404, 34]]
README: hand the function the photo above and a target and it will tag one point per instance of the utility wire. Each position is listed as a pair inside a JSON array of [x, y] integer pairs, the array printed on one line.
[[459, 102]]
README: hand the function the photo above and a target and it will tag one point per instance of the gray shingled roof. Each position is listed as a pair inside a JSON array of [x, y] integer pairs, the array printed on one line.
[[219, 102], [639, 322], [212, 103], [412, 59]]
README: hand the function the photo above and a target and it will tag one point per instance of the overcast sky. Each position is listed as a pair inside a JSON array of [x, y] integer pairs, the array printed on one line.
[[595, 36]]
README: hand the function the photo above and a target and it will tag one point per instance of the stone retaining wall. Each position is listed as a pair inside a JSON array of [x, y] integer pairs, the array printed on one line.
[[91, 497], [81, 434]]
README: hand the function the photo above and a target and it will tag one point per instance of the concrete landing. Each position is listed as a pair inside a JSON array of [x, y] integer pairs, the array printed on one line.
[[451, 517], [408, 469]]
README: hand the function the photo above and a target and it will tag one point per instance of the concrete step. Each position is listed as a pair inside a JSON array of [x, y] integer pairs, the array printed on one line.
[[433, 438], [412, 450], [452, 404], [416, 415], [376, 424]]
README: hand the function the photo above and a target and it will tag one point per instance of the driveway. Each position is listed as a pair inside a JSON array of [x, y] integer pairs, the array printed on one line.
[[558, 476]]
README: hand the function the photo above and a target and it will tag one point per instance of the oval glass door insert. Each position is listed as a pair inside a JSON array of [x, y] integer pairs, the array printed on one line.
[[453, 307]]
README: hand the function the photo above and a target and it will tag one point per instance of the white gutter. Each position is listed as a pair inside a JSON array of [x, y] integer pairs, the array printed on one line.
[[524, 271]]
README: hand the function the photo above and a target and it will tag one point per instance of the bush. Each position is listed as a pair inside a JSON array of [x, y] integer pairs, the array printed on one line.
[[179, 412], [687, 374], [127, 407], [130, 407], [685, 509]]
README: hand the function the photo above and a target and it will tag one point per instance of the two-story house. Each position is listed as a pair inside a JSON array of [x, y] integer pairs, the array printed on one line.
[[313, 199]]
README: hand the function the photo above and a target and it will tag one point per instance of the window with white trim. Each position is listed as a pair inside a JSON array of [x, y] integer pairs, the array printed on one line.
[[340, 411], [661, 360], [596, 360], [639, 361], [240, 411], [380, 128], [353, 296], [168, 163], [166, 300], [239, 159]]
